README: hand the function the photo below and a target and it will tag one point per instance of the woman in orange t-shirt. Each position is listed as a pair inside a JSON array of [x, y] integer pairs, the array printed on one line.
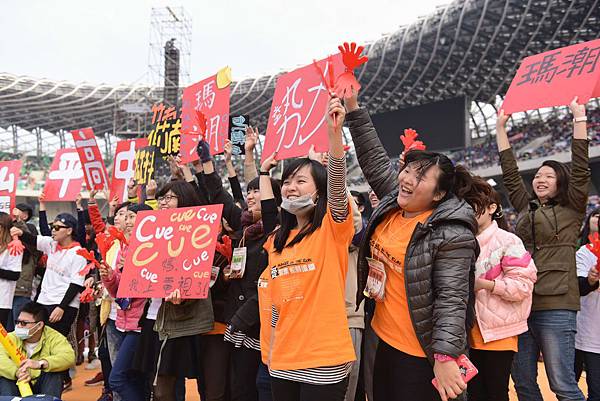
[[305, 339]]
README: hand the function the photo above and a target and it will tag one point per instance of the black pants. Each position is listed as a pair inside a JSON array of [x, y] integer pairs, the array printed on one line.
[[215, 367], [491, 383], [63, 326], [4, 316], [402, 377], [243, 370], [286, 390]]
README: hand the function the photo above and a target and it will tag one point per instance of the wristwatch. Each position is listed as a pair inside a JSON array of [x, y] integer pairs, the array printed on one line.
[[580, 119], [43, 364]]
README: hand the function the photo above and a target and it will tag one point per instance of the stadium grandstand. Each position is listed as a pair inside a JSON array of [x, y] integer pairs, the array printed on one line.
[[466, 49]]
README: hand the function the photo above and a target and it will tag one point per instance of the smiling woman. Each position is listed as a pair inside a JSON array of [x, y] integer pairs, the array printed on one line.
[[549, 223]]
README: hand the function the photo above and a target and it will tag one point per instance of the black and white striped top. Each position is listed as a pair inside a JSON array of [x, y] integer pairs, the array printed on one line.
[[239, 339]]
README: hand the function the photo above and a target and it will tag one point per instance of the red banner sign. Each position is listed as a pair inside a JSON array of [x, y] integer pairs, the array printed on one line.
[[65, 177], [297, 118], [9, 176], [171, 249], [555, 77], [213, 103], [124, 166], [94, 170]]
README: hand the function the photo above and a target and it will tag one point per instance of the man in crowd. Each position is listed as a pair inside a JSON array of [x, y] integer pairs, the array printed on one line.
[[48, 352]]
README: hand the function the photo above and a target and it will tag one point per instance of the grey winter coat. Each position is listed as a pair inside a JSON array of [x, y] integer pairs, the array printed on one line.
[[440, 259]]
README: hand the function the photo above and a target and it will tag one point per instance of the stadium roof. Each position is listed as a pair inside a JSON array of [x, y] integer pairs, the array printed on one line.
[[469, 48]]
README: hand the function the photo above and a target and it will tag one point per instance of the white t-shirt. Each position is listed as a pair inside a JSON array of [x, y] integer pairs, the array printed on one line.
[[588, 321], [30, 348], [7, 287], [62, 269], [153, 308]]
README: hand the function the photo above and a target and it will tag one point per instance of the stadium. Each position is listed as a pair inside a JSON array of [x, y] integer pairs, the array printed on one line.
[[445, 75]]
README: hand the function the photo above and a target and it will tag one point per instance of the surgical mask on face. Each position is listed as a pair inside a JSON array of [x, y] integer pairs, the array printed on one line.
[[302, 204], [24, 333]]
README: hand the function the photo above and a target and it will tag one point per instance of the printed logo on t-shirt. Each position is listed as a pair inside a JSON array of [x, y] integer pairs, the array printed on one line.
[[302, 265], [262, 283], [380, 253], [55, 268]]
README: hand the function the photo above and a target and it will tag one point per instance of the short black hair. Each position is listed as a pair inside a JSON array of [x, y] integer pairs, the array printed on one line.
[[24, 207], [185, 192], [255, 184], [39, 312]]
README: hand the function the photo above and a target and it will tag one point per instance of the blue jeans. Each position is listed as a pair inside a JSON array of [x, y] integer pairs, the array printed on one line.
[[114, 338], [47, 383], [129, 385], [263, 383], [553, 333], [591, 360], [18, 303]]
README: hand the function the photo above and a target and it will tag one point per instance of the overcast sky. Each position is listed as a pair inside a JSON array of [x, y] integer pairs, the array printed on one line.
[[108, 41]]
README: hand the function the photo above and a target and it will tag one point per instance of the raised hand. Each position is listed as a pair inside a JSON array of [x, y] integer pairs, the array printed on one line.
[[132, 188], [78, 201], [351, 55], [151, 189], [41, 200], [227, 150], [336, 113], [502, 120], [251, 139], [269, 163], [577, 109]]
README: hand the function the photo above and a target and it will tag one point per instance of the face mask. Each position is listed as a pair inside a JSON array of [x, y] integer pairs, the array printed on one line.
[[302, 204], [24, 333]]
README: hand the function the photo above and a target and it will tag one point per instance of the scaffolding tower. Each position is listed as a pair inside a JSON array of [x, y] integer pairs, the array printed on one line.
[[170, 27]]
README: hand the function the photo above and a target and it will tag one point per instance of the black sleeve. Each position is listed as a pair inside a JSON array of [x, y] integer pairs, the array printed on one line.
[[9, 275], [201, 189], [111, 220], [231, 213], [29, 239], [247, 316], [236, 188], [44, 227], [32, 229], [71, 293], [270, 215], [585, 287], [80, 233]]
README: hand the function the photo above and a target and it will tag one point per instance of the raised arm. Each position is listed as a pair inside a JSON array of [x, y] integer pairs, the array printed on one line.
[[372, 157], [337, 193], [250, 172], [43, 217], [267, 198], [231, 212], [517, 192], [580, 170]]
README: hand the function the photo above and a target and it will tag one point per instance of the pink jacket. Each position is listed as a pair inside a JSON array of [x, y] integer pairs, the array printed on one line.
[[503, 312], [127, 320]]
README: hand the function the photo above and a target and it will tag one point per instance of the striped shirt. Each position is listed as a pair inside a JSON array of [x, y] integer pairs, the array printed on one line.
[[239, 339]]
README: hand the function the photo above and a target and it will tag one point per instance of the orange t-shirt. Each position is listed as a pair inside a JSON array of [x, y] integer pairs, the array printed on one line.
[[218, 329], [392, 321], [506, 344], [306, 285]]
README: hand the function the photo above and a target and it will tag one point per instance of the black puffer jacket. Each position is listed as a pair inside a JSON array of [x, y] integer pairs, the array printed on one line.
[[439, 274], [440, 259]]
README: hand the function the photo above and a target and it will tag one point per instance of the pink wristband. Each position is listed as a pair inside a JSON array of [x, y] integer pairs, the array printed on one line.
[[443, 358]]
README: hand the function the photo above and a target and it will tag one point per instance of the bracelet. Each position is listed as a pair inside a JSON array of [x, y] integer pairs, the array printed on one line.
[[264, 173], [442, 358], [580, 119]]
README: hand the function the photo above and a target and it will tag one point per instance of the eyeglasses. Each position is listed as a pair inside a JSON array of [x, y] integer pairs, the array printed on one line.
[[166, 198], [57, 227], [23, 322]]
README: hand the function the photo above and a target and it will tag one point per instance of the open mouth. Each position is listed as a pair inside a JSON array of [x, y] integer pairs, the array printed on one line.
[[405, 190]]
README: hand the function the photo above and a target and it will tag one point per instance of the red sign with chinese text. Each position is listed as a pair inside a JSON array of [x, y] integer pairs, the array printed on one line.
[[555, 77], [94, 170], [213, 103], [124, 166], [65, 177], [298, 112], [171, 249], [9, 176]]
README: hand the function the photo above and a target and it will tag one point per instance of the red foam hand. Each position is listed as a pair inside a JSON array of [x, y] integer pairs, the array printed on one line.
[[594, 247], [351, 55], [89, 256], [409, 140], [202, 123], [104, 242], [117, 234], [346, 85], [225, 247], [15, 247], [87, 295]]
